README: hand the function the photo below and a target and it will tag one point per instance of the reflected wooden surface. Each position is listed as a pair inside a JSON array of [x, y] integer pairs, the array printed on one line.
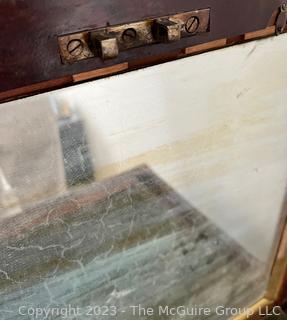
[[126, 240]]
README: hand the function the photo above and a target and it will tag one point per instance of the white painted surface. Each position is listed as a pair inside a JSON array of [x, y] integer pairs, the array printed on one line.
[[213, 126]]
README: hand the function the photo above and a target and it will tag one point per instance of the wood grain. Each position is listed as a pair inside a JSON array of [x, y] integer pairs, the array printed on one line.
[[100, 72], [260, 33], [216, 44]]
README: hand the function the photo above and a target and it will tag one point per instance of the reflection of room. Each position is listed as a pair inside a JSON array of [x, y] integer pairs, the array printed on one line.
[[221, 144]]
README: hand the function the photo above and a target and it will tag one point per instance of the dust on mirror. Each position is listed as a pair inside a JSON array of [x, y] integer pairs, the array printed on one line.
[[146, 190]]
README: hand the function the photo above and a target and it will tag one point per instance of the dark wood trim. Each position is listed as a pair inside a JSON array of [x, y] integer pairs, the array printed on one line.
[[100, 72], [129, 66], [35, 88], [30, 61]]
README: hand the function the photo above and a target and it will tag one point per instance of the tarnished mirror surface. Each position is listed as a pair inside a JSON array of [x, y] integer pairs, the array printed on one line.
[[133, 195]]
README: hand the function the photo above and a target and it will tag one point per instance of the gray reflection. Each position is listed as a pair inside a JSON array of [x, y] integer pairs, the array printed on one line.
[[128, 240], [43, 152], [76, 154]]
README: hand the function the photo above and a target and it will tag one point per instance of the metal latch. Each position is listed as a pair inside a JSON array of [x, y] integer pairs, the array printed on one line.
[[108, 42], [281, 19]]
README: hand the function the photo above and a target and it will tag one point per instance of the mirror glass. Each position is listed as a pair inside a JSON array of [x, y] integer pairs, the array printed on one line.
[[152, 194]]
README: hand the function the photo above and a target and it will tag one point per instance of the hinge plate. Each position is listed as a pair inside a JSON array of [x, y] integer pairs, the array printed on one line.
[[108, 42]]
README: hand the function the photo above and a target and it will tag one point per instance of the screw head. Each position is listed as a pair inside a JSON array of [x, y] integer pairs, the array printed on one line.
[[75, 47], [192, 25], [129, 35], [284, 7]]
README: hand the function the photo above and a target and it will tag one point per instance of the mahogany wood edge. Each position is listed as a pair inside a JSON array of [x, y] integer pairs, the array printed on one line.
[[277, 288], [100, 72], [256, 310], [269, 31], [35, 89], [129, 66]]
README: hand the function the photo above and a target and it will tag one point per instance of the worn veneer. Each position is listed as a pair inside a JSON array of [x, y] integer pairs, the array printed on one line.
[[126, 240]]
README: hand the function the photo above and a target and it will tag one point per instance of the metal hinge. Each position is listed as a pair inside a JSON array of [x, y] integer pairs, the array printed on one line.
[[281, 19], [108, 42]]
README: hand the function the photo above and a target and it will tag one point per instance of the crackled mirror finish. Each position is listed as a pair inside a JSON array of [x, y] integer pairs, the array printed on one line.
[[157, 188]]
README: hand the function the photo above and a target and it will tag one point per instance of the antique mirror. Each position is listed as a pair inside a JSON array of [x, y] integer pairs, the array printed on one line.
[[143, 150]]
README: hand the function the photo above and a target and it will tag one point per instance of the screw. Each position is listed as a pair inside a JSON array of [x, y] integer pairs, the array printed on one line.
[[75, 47], [129, 35], [284, 7], [192, 25]]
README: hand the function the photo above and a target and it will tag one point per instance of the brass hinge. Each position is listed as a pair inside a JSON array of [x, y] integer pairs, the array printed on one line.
[[108, 42]]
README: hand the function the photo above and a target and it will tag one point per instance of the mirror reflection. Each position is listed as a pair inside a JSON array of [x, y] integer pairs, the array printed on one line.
[[147, 189]]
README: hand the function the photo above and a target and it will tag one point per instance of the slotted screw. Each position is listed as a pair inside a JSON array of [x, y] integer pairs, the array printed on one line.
[[75, 47], [192, 25], [129, 35]]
